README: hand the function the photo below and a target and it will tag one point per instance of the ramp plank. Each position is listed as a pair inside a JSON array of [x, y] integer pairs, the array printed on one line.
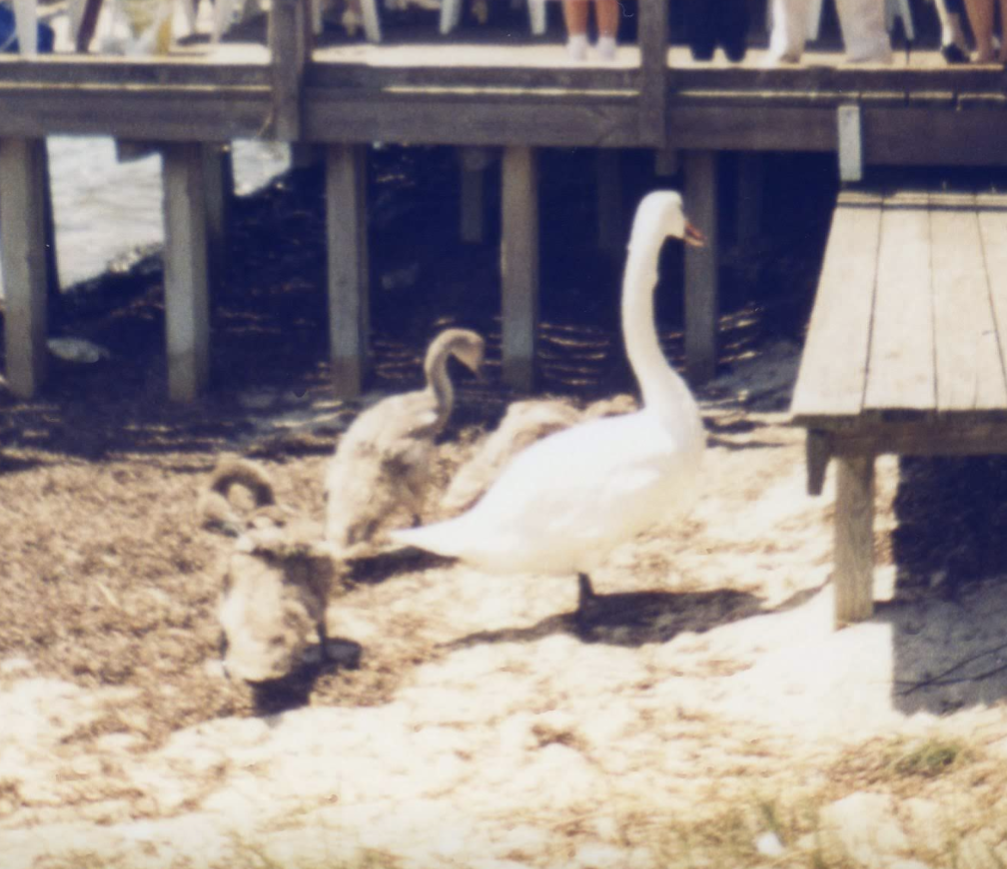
[[993, 231], [901, 366], [833, 370], [970, 375]]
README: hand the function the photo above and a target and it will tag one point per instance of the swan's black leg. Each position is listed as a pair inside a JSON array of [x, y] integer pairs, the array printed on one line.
[[222, 646], [585, 600], [323, 639]]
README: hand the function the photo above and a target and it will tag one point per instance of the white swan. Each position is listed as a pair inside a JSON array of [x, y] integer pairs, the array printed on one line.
[[383, 461], [524, 423], [564, 503]]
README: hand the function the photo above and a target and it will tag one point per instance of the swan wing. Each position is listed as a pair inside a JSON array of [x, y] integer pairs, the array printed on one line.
[[567, 500], [578, 479], [399, 417], [380, 466]]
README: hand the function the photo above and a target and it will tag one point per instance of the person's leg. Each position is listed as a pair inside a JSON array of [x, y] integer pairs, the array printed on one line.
[[701, 18], [864, 35], [1003, 31], [954, 46], [608, 17], [575, 16], [980, 14], [607, 13], [733, 36], [790, 27]]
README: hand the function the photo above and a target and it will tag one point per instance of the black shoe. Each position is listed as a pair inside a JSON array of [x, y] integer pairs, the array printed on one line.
[[735, 50], [732, 28], [953, 54], [702, 18], [702, 50]]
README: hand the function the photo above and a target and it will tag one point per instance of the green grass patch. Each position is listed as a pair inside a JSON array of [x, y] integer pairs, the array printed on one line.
[[930, 758]]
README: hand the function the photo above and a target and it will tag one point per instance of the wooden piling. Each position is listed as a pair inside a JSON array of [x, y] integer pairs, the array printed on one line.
[[653, 40], [346, 229], [305, 155], [751, 186], [186, 293], [612, 235], [218, 173], [519, 256], [54, 298], [473, 163], [701, 288], [854, 565], [667, 162], [290, 50], [22, 246], [471, 218]]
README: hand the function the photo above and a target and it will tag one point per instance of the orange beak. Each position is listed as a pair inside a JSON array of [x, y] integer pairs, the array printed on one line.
[[693, 237]]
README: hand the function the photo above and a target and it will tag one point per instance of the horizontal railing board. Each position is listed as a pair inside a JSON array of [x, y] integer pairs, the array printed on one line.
[[195, 115], [463, 120]]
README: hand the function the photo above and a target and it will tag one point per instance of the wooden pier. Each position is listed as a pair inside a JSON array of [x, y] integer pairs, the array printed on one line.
[[517, 98]]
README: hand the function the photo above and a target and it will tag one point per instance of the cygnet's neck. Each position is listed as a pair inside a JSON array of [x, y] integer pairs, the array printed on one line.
[[438, 382], [661, 386]]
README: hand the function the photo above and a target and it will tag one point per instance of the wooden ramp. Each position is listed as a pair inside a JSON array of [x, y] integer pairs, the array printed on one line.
[[905, 351]]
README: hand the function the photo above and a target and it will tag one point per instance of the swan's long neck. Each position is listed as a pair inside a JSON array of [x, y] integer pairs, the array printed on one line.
[[438, 383], [660, 384]]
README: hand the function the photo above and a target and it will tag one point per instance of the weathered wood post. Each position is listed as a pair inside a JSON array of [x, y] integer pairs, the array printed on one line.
[[854, 569], [751, 186], [54, 301], [473, 163], [519, 259], [611, 220], [346, 231], [653, 39], [23, 248], [701, 288], [186, 292], [667, 162], [290, 51], [218, 173]]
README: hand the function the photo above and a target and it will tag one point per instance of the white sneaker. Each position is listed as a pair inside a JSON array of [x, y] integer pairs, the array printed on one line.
[[606, 47], [576, 46]]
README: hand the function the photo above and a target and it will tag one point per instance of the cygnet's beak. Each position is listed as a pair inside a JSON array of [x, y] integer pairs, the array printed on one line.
[[693, 237], [477, 372]]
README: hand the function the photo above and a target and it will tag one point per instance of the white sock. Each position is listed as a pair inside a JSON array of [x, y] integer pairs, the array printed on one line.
[[606, 47], [576, 46]]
